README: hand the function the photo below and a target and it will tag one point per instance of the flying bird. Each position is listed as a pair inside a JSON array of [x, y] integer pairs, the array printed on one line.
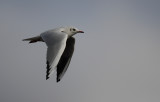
[[60, 43]]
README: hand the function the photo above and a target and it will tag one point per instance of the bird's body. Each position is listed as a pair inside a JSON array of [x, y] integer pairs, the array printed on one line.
[[60, 49]]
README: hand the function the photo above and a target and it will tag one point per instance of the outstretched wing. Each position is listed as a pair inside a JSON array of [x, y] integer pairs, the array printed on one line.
[[65, 58], [56, 43]]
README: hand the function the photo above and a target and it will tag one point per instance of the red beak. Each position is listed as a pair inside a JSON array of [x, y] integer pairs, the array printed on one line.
[[80, 32]]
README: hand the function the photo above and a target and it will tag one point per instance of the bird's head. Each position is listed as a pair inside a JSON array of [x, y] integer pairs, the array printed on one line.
[[71, 31]]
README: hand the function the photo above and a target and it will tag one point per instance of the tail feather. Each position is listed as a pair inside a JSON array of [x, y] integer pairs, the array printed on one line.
[[33, 39]]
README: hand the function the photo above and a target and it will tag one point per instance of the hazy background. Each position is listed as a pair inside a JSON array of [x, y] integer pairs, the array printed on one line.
[[116, 60]]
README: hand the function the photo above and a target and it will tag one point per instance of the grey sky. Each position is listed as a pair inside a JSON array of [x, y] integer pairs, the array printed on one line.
[[116, 60]]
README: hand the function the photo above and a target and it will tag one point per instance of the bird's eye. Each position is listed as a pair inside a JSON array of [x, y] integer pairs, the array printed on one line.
[[74, 29]]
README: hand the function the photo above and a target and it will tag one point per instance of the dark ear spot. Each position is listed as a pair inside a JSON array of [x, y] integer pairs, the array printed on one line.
[[70, 29], [62, 31], [74, 29]]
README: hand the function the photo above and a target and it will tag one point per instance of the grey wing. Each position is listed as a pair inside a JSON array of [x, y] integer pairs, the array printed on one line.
[[65, 58], [56, 43]]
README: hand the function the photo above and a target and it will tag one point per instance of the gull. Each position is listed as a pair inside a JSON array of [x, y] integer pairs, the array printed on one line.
[[60, 43]]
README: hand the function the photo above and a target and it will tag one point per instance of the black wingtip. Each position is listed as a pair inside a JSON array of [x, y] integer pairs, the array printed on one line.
[[48, 68], [58, 79], [47, 77]]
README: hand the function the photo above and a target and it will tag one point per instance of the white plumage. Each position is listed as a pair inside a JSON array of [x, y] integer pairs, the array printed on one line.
[[60, 48]]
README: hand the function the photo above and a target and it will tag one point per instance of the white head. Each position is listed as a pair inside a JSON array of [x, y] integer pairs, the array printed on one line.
[[71, 30]]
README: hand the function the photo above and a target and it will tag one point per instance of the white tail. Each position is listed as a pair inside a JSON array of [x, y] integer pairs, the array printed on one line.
[[33, 39]]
